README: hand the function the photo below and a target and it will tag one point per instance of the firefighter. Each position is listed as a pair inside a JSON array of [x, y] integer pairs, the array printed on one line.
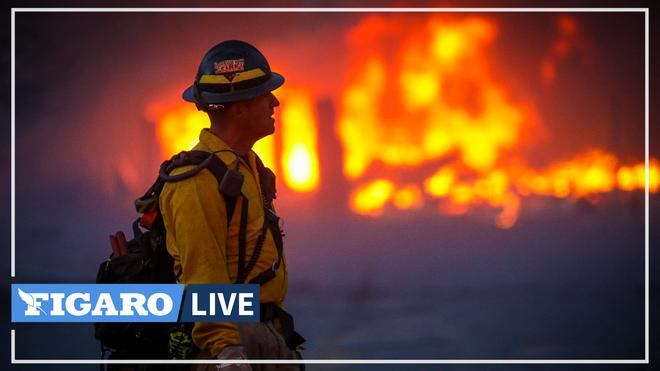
[[212, 241]]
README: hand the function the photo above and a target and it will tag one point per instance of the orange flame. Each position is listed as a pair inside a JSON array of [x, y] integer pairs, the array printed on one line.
[[435, 99], [177, 126], [630, 178], [444, 85], [299, 141], [590, 172], [371, 198], [455, 109]]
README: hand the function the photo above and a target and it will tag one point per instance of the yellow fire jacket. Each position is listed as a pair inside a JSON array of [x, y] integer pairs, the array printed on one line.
[[204, 249]]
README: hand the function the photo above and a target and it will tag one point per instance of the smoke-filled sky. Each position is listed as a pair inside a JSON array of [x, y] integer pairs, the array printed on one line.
[[86, 145]]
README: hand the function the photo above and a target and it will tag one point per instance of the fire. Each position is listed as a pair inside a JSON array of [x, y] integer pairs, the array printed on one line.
[[370, 199], [408, 197], [440, 183], [178, 126], [299, 141], [426, 95], [445, 87], [358, 123], [633, 177], [454, 109], [423, 120], [590, 172]]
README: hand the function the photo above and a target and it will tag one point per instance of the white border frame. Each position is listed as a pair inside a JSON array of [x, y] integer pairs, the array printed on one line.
[[646, 359]]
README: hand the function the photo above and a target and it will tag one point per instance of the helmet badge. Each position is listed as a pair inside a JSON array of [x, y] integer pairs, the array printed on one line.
[[229, 67]]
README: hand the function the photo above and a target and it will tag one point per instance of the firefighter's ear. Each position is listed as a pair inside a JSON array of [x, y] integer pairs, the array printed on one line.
[[237, 110]]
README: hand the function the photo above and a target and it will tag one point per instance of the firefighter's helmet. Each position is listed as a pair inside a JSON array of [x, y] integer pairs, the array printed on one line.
[[231, 71]]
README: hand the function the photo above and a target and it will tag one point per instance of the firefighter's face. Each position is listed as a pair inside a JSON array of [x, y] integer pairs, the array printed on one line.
[[258, 115]]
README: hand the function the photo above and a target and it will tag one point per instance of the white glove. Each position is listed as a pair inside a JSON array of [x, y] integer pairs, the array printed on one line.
[[233, 352]]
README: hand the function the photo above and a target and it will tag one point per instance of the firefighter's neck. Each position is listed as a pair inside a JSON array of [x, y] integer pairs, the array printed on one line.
[[234, 136]]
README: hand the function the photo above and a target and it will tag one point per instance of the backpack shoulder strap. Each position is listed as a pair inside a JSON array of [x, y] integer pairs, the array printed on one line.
[[202, 160], [271, 221], [218, 168]]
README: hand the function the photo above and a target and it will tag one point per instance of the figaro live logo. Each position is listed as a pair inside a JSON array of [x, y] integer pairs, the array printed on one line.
[[134, 303]]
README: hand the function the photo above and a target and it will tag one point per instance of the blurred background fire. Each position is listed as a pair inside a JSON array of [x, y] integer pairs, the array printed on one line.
[[421, 99], [452, 184]]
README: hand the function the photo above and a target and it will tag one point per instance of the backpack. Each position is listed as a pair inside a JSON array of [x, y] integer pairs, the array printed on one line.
[[144, 259]]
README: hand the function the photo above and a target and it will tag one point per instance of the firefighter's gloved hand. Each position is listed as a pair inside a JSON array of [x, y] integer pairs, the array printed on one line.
[[233, 352]]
